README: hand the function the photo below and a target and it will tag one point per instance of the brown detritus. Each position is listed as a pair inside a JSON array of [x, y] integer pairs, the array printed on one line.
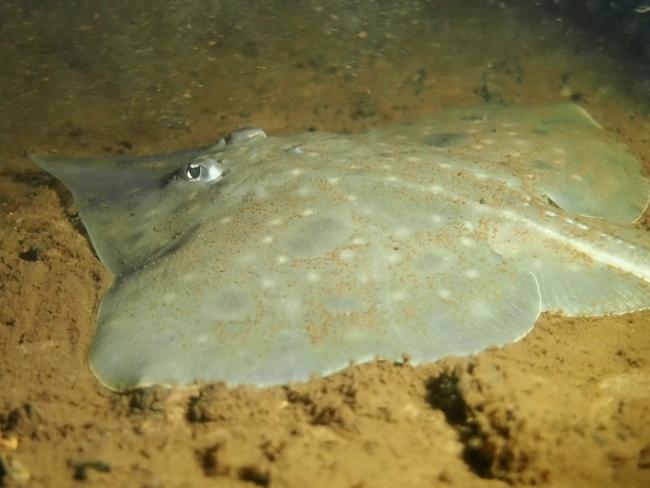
[[81, 469], [151, 399], [209, 460], [12, 471], [255, 475]]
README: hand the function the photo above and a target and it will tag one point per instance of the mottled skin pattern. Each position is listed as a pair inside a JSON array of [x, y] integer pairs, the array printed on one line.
[[265, 260]]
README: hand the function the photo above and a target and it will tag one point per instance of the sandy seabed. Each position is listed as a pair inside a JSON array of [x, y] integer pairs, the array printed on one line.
[[569, 405]]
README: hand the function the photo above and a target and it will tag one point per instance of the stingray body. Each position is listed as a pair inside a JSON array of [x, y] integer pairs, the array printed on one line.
[[266, 260]]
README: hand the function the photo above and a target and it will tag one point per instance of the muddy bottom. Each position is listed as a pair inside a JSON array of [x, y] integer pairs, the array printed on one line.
[[569, 405]]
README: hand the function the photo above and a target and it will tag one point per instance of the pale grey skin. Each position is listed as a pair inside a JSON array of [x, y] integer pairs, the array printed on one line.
[[265, 260]]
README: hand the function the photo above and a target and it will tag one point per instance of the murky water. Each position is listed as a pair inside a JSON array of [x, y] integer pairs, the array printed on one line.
[[126, 76]]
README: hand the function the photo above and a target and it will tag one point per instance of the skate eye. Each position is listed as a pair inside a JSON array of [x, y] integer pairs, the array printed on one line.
[[206, 171], [193, 171]]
